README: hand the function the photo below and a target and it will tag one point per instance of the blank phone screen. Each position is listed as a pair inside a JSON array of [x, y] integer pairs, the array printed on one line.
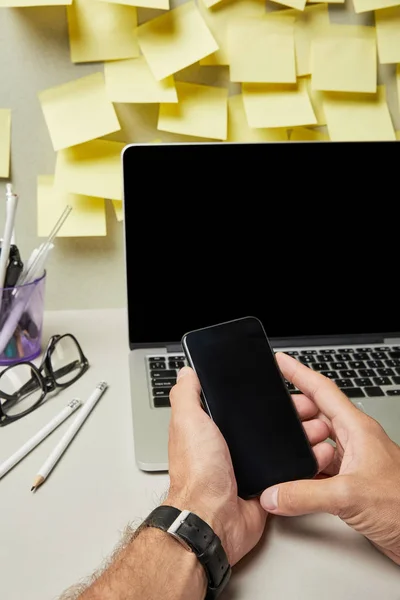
[[245, 394]]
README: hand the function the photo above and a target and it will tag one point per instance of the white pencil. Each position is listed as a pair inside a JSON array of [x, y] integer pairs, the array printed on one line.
[[36, 439], [69, 435]]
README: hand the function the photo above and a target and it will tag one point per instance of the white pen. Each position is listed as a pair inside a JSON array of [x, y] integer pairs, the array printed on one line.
[[11, 209], [40, 436], [69, 435]]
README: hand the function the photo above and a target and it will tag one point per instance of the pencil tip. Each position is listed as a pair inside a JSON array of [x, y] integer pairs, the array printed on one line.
[[33, 488]]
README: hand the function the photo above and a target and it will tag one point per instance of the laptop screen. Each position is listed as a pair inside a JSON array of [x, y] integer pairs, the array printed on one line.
[[301, 235]]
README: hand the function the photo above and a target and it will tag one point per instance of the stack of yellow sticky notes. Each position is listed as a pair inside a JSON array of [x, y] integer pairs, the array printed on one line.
[[291, 69]]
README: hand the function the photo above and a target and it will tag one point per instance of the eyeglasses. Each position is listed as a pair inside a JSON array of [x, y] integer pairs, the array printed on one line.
[[23, 387]]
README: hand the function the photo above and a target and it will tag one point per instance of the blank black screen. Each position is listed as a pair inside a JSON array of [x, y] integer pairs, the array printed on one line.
[[303, 235], [247, 399]]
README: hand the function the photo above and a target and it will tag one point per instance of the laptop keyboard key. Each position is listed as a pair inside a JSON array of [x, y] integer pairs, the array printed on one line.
[[161, 402], [347, 373], [176, 364], [353, 392], [330, 374], [378, 355], [373, 391], [340, 350], [367, 373], [360, 356], [338, 365], [393, 392], [307, 359], [382, 381], [344, 383], [357, 364], [393, 362], [394, 354], [320, 366], [374, 364], [309, 352], [161, 392], [385, 371], [157, 365], [153, 359], [291, 352], [342, 356], [396, 379], [363, 381], [329, 351], [364, 349], [177, 357], [163, 374], [163, 383]]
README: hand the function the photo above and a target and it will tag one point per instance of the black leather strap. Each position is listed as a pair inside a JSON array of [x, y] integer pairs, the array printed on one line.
[[202, 540]]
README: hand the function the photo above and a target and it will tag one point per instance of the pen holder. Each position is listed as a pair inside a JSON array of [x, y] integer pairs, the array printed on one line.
[[21, 322]]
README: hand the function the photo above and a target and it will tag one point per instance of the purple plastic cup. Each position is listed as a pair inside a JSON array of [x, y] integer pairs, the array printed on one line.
[[24, 340]]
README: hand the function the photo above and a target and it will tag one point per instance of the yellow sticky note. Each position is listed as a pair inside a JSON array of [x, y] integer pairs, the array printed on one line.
[[297, 4], [27, 3], [358, 117], [101, 31], [202, 111], [78, 111], [92, 169], [157, 4], [132, 81], [398, 83], [5, 141], [387, 23], [239, 130], [175, 40], [118, 209], [361, 6], [268, 105], [269, 57], [398, 135], [218, 19], [316, 98], [87, 218], [345, 63], [302, 134], [307, 26]]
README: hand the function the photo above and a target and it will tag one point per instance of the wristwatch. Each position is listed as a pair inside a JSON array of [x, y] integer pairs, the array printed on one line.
[[198, 537]]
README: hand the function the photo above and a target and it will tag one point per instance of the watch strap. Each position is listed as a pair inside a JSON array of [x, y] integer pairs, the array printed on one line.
[[198, 536]]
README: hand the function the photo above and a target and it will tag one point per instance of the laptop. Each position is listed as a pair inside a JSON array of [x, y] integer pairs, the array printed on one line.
[[302, 235]]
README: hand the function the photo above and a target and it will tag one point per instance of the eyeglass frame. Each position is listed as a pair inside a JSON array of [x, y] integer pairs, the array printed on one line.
[[48, 381]]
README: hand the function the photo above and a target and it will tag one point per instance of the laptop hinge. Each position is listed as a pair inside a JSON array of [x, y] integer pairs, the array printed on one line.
[[171, 348]]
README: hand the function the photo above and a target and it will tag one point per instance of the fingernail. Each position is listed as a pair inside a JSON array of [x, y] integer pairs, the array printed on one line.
[[269, 498], [184, 371]]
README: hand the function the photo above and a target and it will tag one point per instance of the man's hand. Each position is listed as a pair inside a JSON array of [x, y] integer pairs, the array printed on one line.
[[362, 483], [201, 472]]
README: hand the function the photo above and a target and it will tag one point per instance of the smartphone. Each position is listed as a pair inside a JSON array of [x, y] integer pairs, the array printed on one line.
[[244, 392]]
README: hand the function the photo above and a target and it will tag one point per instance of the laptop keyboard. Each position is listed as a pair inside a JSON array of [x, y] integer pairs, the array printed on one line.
[[358, 371]]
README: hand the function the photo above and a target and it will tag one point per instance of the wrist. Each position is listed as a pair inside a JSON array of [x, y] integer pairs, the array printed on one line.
[[211, 515], [191, 580]]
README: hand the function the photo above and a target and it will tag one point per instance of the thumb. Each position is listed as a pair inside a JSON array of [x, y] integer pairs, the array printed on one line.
[[186, 391], [305, 497]]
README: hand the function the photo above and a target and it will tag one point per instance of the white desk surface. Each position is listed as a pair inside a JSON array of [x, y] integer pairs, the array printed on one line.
[[54, 538]]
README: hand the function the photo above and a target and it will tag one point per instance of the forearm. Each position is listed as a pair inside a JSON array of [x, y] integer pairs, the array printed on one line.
[[151, 567]]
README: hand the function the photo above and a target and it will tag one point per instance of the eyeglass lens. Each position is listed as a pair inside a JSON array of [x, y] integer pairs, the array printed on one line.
[[66, 360], [23, 387]]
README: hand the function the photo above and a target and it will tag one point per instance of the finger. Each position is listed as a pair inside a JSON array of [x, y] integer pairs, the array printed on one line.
[[317, 431], [186, 392], [326, 395], [325, 455], [305, 407], [305, 497]]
